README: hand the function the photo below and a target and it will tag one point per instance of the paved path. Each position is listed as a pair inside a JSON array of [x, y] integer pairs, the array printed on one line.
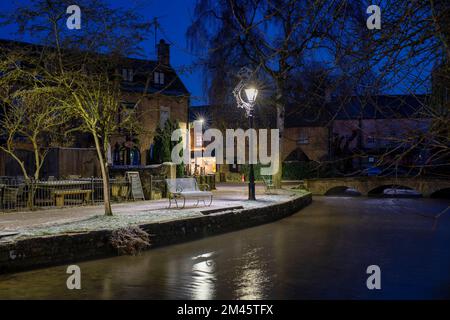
[[226, 195]]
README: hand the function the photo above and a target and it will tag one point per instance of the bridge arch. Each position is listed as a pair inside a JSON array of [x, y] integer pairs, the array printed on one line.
[[379, 190], [342, 190], [441, 193]]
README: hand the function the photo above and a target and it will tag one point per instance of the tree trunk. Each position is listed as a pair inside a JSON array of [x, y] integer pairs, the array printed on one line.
[[105, 176], [277, 177], [106, 195]]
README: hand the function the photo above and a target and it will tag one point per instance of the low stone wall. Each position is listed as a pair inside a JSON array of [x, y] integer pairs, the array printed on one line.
[[66, 248]]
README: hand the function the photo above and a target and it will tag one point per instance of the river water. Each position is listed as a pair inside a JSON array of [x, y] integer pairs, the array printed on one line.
[[322, 252]]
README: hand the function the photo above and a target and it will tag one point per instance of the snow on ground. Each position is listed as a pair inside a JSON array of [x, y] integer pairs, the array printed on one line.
[[142, 214]]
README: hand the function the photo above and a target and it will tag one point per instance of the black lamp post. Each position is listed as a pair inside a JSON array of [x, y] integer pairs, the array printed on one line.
[[251, 94], [245, 75]]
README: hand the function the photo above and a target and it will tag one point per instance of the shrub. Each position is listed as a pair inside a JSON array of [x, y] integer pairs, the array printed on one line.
[[130, 240]]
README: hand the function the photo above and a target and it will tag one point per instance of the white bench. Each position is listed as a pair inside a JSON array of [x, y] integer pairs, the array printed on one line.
[[187, 188]]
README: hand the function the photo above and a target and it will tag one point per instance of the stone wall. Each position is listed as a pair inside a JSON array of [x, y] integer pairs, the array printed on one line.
[[60, 249], [316, 147], [153, 190]]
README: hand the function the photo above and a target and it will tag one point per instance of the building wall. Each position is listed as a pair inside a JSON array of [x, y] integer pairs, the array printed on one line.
[[148, 113], [314, 144], [379, 133], [77, 162], [59, 163]]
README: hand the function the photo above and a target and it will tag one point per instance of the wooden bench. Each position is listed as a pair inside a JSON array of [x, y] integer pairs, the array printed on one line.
[[187, 188], [60, 195]]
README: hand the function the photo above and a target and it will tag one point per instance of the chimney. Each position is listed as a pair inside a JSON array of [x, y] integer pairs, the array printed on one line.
[[163, 49]]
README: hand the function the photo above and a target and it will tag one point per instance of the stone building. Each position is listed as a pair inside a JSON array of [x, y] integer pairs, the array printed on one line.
[[151, 89], [361, 130], [155, 93]]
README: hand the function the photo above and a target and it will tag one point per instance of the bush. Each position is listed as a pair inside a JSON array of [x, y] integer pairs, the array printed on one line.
[[300, 170], [163, 145], [130, 240], [295, 170]]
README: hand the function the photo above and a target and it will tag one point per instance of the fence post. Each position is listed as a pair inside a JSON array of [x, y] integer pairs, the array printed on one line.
[[93, 190], [151, 187]]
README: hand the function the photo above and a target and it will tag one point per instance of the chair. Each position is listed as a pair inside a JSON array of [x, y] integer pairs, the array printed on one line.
[[268, 183]]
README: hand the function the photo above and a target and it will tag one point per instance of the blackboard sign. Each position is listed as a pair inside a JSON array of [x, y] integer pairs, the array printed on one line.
[[136, 185]]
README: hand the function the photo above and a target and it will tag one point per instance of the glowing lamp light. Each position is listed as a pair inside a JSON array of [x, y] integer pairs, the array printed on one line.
[[251, 94]]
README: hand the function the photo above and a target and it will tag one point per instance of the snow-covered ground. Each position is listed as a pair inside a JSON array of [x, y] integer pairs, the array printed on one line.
[[130, 214]]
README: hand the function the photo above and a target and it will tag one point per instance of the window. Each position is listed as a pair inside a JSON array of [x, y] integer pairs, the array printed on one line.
[[199, 140], [303, 139], [371, 159], [126, 155], [371, 139], [127, 75], [164, 115], [158, 78]]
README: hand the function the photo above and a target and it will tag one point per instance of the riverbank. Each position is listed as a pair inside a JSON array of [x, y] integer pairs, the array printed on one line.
[[89, 237]]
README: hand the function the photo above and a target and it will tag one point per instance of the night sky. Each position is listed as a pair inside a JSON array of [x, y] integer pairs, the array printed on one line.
[[174, 16]]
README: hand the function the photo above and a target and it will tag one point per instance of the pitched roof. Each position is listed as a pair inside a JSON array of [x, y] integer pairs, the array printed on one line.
[[381, 107], [145, 68], [357, 107], [142, 69]]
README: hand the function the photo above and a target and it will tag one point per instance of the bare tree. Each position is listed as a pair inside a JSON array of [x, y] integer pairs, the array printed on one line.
[[81, 65], [30, 116], [275, 37], [94, 98], [282, 38]]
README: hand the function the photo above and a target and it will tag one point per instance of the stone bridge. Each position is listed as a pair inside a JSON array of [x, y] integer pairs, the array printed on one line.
[[373, 185]]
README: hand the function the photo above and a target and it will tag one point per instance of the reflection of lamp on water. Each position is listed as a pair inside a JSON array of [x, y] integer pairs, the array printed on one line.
[[204, 276]]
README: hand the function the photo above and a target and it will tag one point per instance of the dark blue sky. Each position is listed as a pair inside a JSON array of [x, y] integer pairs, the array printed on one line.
[[174, 17]]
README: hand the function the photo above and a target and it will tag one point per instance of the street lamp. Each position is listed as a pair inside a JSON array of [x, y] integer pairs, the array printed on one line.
[[251, 94], [248, 104]]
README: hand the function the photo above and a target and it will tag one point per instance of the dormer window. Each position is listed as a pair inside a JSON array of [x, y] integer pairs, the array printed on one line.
[[127, 75], [158, 78]]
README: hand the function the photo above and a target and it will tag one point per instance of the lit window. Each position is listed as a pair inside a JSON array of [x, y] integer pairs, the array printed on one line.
[[198, 140], [158, 78]]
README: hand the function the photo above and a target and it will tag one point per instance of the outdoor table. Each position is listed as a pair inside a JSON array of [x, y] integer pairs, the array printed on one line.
[[71, 186], [61, 183]]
